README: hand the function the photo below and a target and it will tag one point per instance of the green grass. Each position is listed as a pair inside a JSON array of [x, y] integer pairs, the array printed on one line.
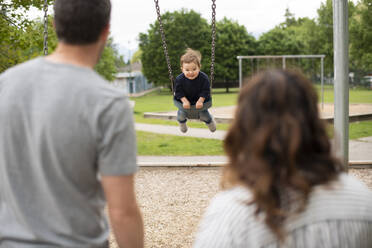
[[357, 95], [156, 144], [162, 101], [360, 129], [170, 145]]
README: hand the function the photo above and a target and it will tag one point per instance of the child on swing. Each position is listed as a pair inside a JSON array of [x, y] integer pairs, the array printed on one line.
[[192, 91]]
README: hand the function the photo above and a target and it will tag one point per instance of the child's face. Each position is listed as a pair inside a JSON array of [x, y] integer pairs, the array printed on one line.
[[191, 70]]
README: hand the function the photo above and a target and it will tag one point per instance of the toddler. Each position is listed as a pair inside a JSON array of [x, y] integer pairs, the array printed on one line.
[[192, 92]]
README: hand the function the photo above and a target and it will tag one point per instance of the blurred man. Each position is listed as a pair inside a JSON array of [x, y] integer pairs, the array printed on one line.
[[67, 143]]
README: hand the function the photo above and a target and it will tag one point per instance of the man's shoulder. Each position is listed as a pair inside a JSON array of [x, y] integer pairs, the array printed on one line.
[[27, 66], [106, 90]]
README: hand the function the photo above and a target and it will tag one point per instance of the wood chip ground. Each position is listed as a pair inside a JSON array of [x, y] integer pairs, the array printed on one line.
[[172, 201]]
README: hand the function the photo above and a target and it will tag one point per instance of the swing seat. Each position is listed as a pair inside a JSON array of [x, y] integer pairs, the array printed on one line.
[[193, 112]]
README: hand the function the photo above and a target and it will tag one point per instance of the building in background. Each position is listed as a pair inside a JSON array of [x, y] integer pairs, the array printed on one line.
[[131, 79]]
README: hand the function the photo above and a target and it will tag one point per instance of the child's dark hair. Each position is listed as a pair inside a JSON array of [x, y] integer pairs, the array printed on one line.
[[191, 56]]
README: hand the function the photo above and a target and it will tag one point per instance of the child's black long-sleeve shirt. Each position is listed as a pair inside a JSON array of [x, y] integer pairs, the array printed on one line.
[[192, 89]]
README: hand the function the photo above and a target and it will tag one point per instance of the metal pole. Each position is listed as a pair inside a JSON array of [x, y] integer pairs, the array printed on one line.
[[283, 63], [341, 78], [322, 79], [252, 68], [240, 74]]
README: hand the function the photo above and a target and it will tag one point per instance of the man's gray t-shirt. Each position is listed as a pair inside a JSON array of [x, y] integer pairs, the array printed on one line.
[[61, 128]]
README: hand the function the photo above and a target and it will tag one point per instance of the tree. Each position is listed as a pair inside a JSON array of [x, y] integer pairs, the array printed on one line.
[[361, 39], [24, 4], [22, 39], [232, 40], [183, 29], [106, 66], [283, 39], [279, 41], [19, 45], [136, 56], [325, 31]]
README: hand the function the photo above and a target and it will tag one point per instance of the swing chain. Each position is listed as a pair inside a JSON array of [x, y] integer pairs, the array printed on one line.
[[45, 27], [213, 40], [164, 43]]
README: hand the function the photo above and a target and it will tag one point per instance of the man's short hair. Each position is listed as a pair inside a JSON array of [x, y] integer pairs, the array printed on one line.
[[80, 22]]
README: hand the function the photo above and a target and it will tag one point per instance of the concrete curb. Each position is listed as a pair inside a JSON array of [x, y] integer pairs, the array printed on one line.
[[352, 164], [224, 119]]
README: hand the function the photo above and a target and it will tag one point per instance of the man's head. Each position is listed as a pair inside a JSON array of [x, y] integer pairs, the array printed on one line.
[[81, 22]]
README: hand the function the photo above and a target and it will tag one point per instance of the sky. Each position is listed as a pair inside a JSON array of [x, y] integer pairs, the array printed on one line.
[[129, 18]]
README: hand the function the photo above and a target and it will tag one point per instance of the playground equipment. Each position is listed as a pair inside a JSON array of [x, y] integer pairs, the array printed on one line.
[[45, 27], [193, 112], [341, 77], [165, 47], [255, 67], [341, 60]]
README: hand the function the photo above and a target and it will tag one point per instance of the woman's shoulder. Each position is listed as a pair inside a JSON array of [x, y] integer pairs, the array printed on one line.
[[344, 198], [345, 184], [237, 197]]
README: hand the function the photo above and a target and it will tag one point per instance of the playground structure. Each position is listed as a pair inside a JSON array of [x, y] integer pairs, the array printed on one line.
[[255, 67], [341, 69]]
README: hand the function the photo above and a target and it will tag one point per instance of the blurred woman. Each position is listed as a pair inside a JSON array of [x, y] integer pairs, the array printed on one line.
[[283, 187]]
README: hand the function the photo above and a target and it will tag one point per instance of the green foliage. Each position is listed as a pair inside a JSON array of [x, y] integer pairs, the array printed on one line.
[[361, 38], [19, 45], [232, 40], [325, 32], [24, 4], [280, 41], [23, 39], [106, 65], [315, 36], [136, 56], [183, 29]]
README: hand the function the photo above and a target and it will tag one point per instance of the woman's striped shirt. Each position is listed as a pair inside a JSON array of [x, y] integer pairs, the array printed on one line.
[[337, 215]]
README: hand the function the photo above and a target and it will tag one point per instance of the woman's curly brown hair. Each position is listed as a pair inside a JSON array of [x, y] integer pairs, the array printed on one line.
[[278, 146]]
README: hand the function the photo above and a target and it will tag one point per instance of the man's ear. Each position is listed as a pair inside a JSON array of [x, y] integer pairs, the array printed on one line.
[[105, 32]]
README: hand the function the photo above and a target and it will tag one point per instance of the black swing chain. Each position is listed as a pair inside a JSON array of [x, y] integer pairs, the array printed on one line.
[[213, 40], [165, 48], [164, 44], [45, 27]]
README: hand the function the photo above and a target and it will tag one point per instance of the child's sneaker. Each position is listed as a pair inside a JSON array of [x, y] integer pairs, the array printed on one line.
[[183, 127], [212, 126]]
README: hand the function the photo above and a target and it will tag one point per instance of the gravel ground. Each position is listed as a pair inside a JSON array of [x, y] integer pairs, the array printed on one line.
[[172, 201]]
